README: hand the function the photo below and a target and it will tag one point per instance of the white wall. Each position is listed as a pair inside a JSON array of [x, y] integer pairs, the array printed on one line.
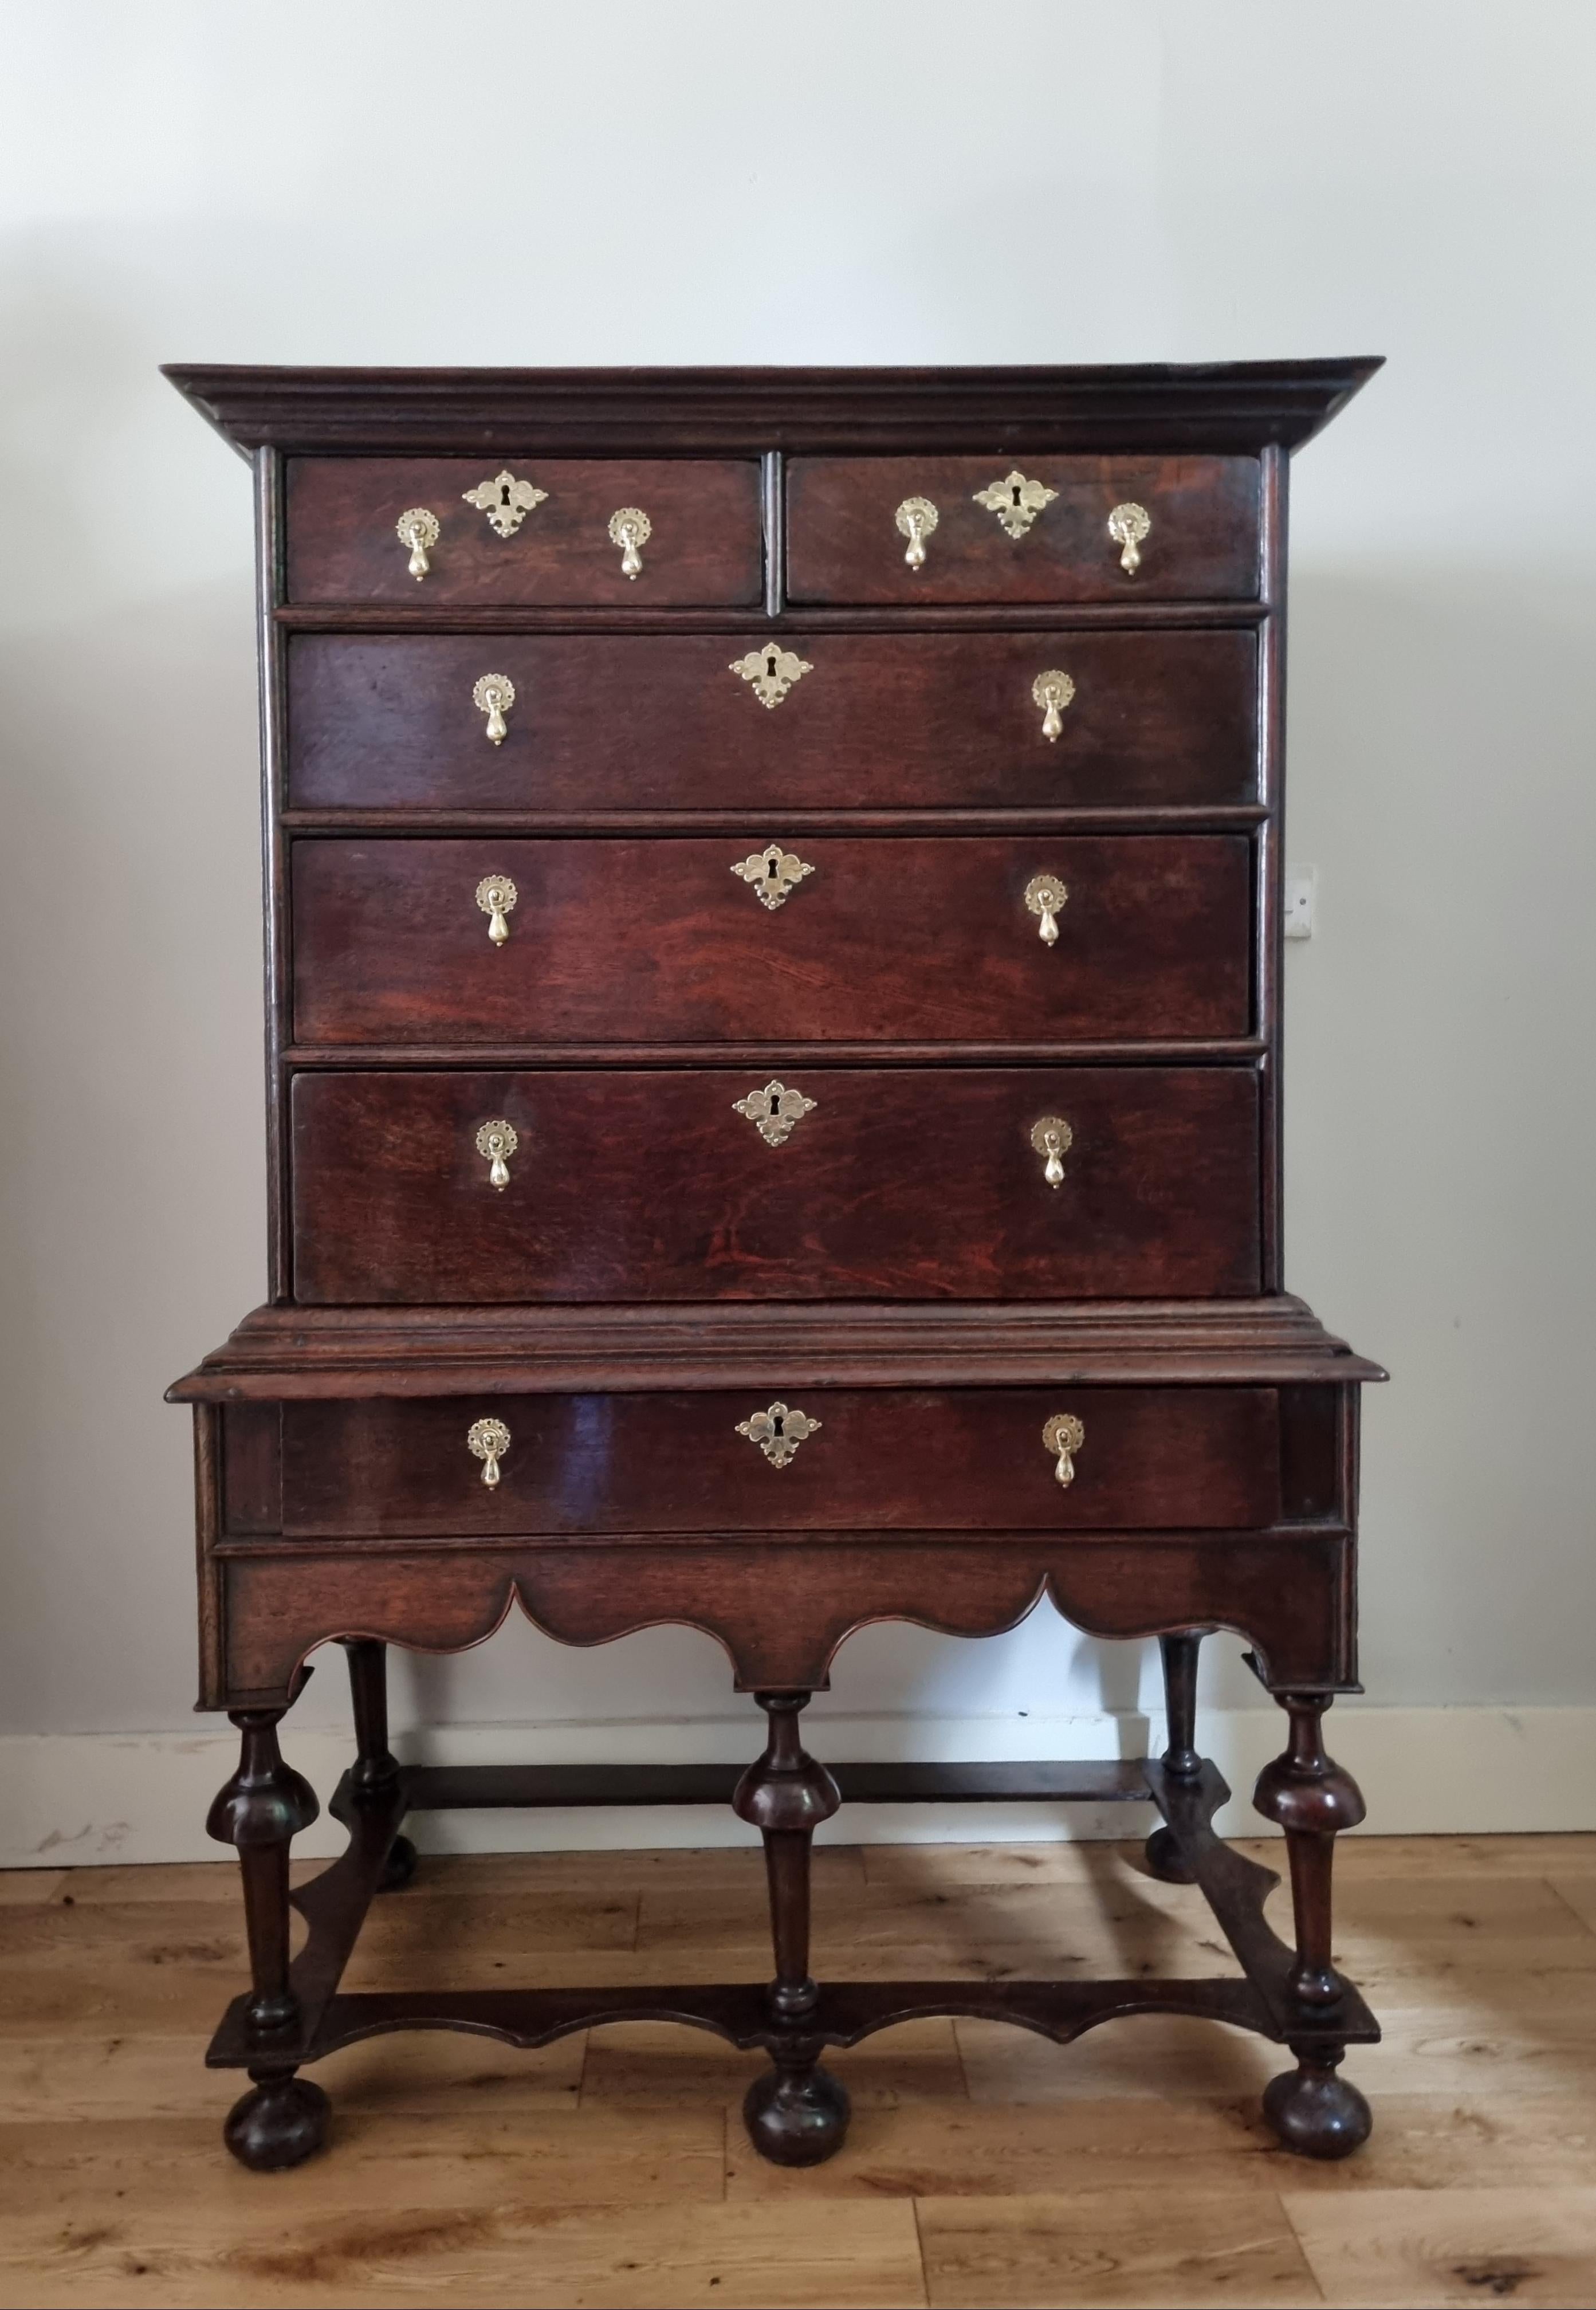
[[856, 181]]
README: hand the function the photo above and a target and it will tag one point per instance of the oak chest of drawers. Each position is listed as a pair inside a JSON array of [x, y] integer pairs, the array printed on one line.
[[773, 941]]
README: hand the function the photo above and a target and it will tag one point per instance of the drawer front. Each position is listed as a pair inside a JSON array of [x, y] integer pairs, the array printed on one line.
[[662, 722], [904, 1182], [704, 541], [923, 940], [965, 1460], [845, 540]]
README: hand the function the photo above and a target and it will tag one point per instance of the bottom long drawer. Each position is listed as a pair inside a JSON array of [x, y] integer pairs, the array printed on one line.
[[1056, 1183], [827, 1459]]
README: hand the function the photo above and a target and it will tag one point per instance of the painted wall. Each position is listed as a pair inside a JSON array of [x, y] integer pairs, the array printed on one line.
[[902, 180]]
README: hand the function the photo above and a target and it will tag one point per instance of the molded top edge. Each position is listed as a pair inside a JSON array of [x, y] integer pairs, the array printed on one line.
[[1217, 406]]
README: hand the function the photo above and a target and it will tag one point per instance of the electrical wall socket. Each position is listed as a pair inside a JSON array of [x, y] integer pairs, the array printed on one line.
[[1301, 883]]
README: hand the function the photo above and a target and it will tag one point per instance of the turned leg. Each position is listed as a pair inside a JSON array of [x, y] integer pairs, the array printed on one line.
[[797, 2113], [1180, 1760], [1311, 1798], [376, 1767], [284, 2118]]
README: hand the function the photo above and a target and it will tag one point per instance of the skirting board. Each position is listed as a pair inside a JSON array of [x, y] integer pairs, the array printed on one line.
[[77, 1799]]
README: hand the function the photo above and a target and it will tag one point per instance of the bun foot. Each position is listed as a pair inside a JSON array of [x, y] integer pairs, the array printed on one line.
[[281, 2123], [400, 1866], [797, 2117], [1315, 2113], [1164, 1861]]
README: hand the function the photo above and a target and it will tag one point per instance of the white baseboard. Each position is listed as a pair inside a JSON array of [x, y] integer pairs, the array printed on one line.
[[72, 1799]]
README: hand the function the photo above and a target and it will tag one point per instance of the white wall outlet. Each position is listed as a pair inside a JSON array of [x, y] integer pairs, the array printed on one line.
[[1300, 884]]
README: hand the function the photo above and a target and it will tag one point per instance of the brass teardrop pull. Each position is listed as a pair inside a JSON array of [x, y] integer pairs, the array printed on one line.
[[1128, 524], [1062, 1438], [494, 694], [917, 518], [489, 1440], [631, 529], [495, 1143], [1052, 691], [496, 896], [1051, 1138], [1045, 895], [419, 531]]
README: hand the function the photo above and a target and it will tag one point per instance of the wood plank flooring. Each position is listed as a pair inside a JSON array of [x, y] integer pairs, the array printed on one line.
[[984, 2168]]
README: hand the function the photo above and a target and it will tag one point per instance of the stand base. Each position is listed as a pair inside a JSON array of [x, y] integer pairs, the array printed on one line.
[[797, 2117], [797, 2113], [281, 2124]]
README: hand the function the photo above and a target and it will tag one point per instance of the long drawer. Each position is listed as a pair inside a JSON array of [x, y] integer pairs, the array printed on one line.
[[678, 722], [936, 939], [1018, 528], [716, 1184], [531, 530], [831, 1459]]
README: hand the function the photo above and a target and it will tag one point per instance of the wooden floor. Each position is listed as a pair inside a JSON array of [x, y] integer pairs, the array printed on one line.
[[984, 2166]]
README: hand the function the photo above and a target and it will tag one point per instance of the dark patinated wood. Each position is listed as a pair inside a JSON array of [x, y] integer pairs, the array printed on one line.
[[393, 1201], [653, 1272], [705, 546], [660, 721], [844, 544], [915, 940]]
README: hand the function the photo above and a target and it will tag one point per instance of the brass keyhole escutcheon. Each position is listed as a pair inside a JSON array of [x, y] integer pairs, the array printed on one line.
[[505, 501], [771, 672], [1128, 524], [496, 896], [495, 1142], [917, 518], [489, 1440], [772, 873], [1016, 502], [774, 1112], [419, 531], [1046, 895], [494, 694], [1062, 1438], [631, 529], [1051, 1138], [1052, 691], [778, 1432]]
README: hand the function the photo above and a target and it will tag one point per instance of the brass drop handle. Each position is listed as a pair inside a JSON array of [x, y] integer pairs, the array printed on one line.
[[496, 896], [418, 530], [489, 1440], [494, 694], [1045, 895], [631, 529], [1051, 1138], [1128, 524], [1052, 691], [1062, 1438], [778, 1432], [917, 518], [495, 1143]]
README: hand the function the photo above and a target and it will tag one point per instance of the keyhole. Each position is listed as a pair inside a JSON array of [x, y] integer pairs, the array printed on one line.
[[775, 1107], [771, 656], [504, 493], [778, 1427], [772, 867], [1014, 492]]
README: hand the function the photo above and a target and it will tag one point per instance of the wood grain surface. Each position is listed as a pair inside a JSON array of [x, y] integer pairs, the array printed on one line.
[[984, 2168], [908, 1184], [637, 941], [844, 544], [661, 721]]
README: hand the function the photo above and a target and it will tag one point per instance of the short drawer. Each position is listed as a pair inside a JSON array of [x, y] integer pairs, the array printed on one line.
[[727, 720], [1089, 938], [686, 1183], [538, 530], [1022, 529], [832, 1459]]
